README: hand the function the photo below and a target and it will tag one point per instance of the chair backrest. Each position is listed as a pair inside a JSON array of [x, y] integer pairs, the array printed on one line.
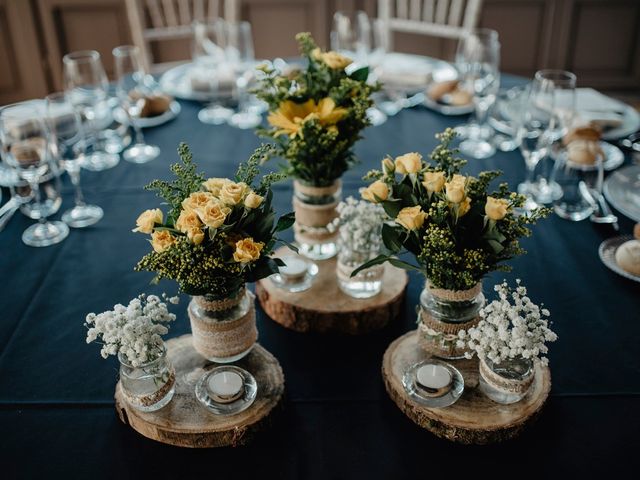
[[439, 18], [159, 20]]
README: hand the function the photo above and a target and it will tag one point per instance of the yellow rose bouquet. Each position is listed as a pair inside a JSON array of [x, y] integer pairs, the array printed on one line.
[[457, 230], [316, 114], [218, 233]]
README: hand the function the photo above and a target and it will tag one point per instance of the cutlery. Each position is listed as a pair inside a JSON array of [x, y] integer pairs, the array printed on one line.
[[7, 211], [598, 203]]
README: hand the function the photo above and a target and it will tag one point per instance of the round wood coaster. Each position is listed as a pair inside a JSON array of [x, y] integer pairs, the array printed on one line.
[[185, 422], [473, 419], [325, 308]]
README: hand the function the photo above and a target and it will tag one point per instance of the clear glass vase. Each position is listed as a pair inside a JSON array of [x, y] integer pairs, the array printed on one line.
[[366, 283], [315, 209], [508, 381], [150, 386], [224, 330], [442, 314]]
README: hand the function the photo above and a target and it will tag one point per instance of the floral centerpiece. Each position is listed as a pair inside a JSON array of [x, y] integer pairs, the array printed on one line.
[[217, 235], [511, 335], [456, 229], [316, 115], [134, 334]]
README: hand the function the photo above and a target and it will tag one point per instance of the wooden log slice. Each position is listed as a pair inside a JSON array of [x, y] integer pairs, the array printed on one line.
[[325, 308], [474, 418], [184, 422]]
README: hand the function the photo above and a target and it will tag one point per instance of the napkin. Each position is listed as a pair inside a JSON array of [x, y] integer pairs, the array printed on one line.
[[594, 107]]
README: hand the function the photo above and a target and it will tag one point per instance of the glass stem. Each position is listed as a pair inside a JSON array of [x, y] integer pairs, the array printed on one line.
[[35, 188], [74, 175]]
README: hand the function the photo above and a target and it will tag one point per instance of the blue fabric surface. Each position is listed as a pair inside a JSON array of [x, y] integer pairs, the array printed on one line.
[[56, 392]]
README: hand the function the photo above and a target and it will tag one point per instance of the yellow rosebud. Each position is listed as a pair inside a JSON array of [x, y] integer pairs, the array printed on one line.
[[247, 250], [378, 191], [409, 163], [253, 200], [162, 240], [197, 200], [332, 59], [433, 181], [147, 220], [213, 185], [496, 208], [460, 179], [196, 235], [388, 167], [213, 214], [411, 218], [464, 207], [455, 191], [188, 220], [233, 193]]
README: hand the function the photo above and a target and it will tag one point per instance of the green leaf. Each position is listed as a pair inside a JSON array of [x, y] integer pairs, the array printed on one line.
[[404, 265], [391, 238], [360, 74], [380, 259], [392, 207], [285, 221]]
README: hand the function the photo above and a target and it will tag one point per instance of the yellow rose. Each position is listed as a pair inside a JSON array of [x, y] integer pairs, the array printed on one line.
[[411, 218], [213, 185], [460, 179], [197, 200], [496, 208], [188, 220], [378, 191], [162, 240], [332, 59], [232, 193], [247, 250], [213, 214], [147, 220], [455, 191], [388, 167], [196, 235], [464, 207], [433, 181], [409, 163], [253, 200]]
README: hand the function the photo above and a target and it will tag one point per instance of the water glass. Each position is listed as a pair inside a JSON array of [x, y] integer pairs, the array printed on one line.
[[240, 54], [581, 187]]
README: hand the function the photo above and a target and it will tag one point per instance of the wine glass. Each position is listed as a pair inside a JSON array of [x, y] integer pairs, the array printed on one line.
[[24, 133], [132, 89], [341, 35], [478, 63], [69, 144], [241, 57], [87, 85]]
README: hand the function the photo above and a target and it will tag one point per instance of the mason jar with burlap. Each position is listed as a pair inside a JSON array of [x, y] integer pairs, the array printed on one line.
[[315, 209], [443, 314], [508, 381], [224, 330]]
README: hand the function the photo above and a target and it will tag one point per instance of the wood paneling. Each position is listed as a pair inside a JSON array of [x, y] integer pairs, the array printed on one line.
[[21, 62]]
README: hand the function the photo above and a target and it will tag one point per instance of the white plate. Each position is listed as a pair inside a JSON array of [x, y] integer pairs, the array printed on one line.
[[613, 157], [414, 72], [622, 190], [146, 122], [607, 252], [630, 124], [445, 109], [177, 83]]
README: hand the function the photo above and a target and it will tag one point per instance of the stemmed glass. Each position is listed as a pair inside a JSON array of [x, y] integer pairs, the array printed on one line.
[[132, 90], [478, 63], [68, 144], [240, 54], [87, 85], [26, 139]]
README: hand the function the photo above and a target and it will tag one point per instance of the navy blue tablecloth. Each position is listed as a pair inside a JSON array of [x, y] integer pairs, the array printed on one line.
[[56, 392]]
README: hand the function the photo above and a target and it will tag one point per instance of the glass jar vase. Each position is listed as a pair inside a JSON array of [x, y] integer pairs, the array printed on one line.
[[366, 283], [443, 314], [315, 209], [150, 386], [508, 381], [224, 330]]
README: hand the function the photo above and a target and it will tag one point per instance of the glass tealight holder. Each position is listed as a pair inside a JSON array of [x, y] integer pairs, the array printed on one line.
[[226, 390], [433, 383], [506, 382], [296, 276], [366, 283]]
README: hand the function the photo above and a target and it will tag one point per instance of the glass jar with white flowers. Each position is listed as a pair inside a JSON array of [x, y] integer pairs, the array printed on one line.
[[217, 236], [360, 225], [509, 339], [134, 334], [457, 229]]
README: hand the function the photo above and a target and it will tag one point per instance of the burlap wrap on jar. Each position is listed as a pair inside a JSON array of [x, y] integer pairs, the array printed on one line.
[[315, 209], [221, 330], [458, 311]]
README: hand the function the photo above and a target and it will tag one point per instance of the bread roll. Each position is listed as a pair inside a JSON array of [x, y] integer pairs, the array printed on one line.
[[440, 89], [584, 152], [628, 256]]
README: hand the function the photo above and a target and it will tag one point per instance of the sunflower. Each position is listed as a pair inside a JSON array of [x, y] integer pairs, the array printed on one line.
[[290, 116]]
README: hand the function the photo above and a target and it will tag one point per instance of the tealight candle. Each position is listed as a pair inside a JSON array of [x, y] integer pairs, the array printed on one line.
[[293, 270], [434, 379], [225, 387]]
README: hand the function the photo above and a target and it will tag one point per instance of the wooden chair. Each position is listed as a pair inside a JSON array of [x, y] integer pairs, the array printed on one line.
[[439, 18], [161, 20]]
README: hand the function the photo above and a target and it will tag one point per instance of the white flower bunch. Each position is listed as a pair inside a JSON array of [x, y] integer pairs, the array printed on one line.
[[360, 223], [510, 330], [135, 331]]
